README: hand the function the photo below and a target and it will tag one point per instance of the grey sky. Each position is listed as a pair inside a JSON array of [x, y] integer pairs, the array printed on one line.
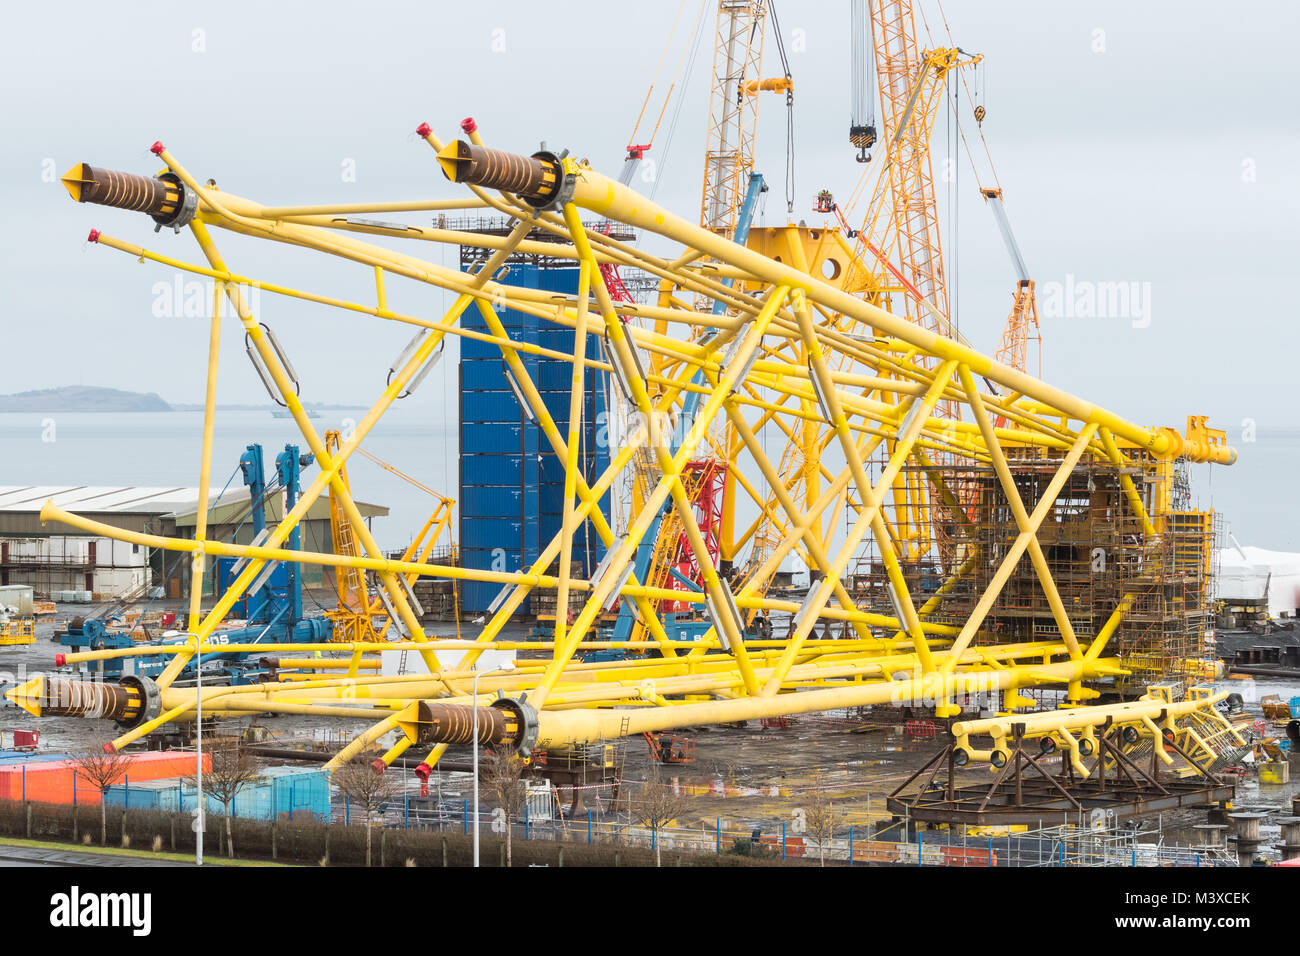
[[1122, 165]]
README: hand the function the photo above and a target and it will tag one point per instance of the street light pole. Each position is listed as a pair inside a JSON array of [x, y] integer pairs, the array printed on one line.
[[503, 669], [198, 821], [199, 818]]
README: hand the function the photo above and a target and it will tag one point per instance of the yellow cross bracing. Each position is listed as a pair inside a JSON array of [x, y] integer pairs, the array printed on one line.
[[797, 359]]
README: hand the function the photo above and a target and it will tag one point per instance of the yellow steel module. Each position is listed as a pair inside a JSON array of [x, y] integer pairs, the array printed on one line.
[[872, 391]]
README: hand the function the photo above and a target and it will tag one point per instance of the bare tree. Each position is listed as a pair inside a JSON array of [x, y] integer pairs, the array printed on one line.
[[503, 772], [819, 817], [657, 805], [102, 769], [365, 788], [234, 770]]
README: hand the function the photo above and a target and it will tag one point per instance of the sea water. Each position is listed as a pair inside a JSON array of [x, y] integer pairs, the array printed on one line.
[[161, 449]]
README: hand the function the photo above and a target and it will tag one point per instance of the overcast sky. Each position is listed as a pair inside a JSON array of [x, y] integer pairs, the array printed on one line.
[[1146, 143]]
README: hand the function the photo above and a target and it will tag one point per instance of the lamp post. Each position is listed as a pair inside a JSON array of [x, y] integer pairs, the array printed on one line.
[[198, 736], [505, 668], [198, 739], [200, 816]]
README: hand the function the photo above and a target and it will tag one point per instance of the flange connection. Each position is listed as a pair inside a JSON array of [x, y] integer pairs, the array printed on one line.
[[540, 179], [526, 723], [164, 198], [150, 701]]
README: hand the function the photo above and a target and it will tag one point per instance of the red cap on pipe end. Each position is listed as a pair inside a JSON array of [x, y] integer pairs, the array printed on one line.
[[109, 748], [378, 766], [423, 770], [61, 659], [157, 148], [468, 124], [423, 130], [94, 236]]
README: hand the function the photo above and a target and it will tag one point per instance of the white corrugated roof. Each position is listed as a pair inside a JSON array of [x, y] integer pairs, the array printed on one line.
[[101, 499], [177, 503]]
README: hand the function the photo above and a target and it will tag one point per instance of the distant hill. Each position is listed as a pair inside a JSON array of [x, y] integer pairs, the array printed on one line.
[[82, 398]]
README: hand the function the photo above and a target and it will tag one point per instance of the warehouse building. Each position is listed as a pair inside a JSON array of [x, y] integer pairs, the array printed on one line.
[[55, 557]]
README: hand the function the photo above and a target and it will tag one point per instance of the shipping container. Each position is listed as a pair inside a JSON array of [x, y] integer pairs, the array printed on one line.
[[500, 406], [16, 757], [474, 349], [147, 795], [503, 501], [512, 321], [275, 793], [557, 403], [532, 499], [492, 469], [482, 375], [479, 595], [58, 781], [551, 498], [555, 376], [503, 438], [491, 559], [551, 470], [492, 532]]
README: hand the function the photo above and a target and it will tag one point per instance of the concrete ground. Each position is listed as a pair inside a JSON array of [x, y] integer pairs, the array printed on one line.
[[750, 777]]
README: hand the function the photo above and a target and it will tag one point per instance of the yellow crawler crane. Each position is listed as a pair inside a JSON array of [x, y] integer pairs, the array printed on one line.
[[908, 648]]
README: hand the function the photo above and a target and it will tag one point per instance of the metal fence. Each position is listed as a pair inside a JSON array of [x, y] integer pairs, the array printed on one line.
[[884, 844], [445, 804]]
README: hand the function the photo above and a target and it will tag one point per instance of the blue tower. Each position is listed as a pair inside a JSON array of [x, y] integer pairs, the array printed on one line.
[[511, 482]]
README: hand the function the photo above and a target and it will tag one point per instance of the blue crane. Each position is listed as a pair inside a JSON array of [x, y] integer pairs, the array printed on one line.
[[645, 551], [272, 606]]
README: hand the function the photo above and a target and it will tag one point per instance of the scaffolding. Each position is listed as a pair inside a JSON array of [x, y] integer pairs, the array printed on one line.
[[1099, 549], [1106, 842], [472, 256]]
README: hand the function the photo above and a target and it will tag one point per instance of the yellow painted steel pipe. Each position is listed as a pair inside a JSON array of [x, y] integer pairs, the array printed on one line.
[[609, 198], [1078, 718], [324, 663], [560, 727], [205, 459]]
